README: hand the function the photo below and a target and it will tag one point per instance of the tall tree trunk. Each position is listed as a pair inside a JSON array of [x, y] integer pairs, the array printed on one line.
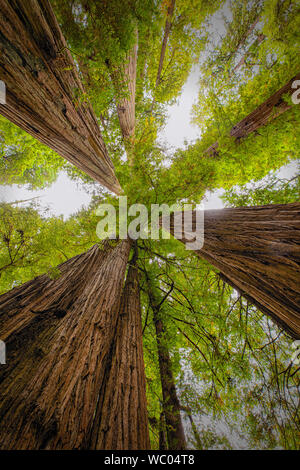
[[171, 405], [167, 31], [124, 80], [121, 421], [44, 93], [266, 112], [257, 250], [162, 432], [260, 38], [59, 335]]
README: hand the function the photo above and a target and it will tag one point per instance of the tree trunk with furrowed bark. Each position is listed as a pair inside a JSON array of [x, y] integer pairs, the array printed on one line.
[[257, 251], [171, 405], [44, 93], [59, 334], [121, 421], [266, 112], [124, 80]]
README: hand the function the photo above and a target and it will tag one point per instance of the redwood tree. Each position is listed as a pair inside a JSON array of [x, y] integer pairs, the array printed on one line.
[[44, 93], [171, 405], [270, 109], [256, 249], [121, 421], [59, 335]]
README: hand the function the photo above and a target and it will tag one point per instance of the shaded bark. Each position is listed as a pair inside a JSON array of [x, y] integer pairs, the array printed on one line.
[[194, 427], [257, 250], [171, 405], [121, 421], [167, 31], [266, 112], [162, 432], [44, 93], [242, 42], [59, 334]]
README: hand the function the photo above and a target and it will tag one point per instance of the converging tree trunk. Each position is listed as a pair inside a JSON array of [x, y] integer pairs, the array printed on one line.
[[171, 404], [266, 112], [59, 335], [124, 80], [167, 31], [257, 250], [121, 420], [44, 93]]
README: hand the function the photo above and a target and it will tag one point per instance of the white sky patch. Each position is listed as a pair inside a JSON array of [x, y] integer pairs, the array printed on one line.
[[64, 197], [179, 128]]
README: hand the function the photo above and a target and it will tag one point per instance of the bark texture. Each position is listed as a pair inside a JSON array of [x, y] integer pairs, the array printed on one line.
[[44, 93], [266, 112], [257, 250], [171, 404], [121, 420], [59, 335]]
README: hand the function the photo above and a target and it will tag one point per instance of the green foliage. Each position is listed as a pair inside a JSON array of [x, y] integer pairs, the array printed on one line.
[[233, 366], [24, 160], [32, 243], [272, 190]]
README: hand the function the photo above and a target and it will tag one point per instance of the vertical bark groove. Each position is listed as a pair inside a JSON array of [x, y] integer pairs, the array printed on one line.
[[125, 77], [167, 31]]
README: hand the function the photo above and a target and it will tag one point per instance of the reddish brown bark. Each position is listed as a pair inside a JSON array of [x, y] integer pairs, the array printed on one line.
[[266, 112], [59, 335], [121, 420], [44, 94], [162, 432], [257, 250]]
